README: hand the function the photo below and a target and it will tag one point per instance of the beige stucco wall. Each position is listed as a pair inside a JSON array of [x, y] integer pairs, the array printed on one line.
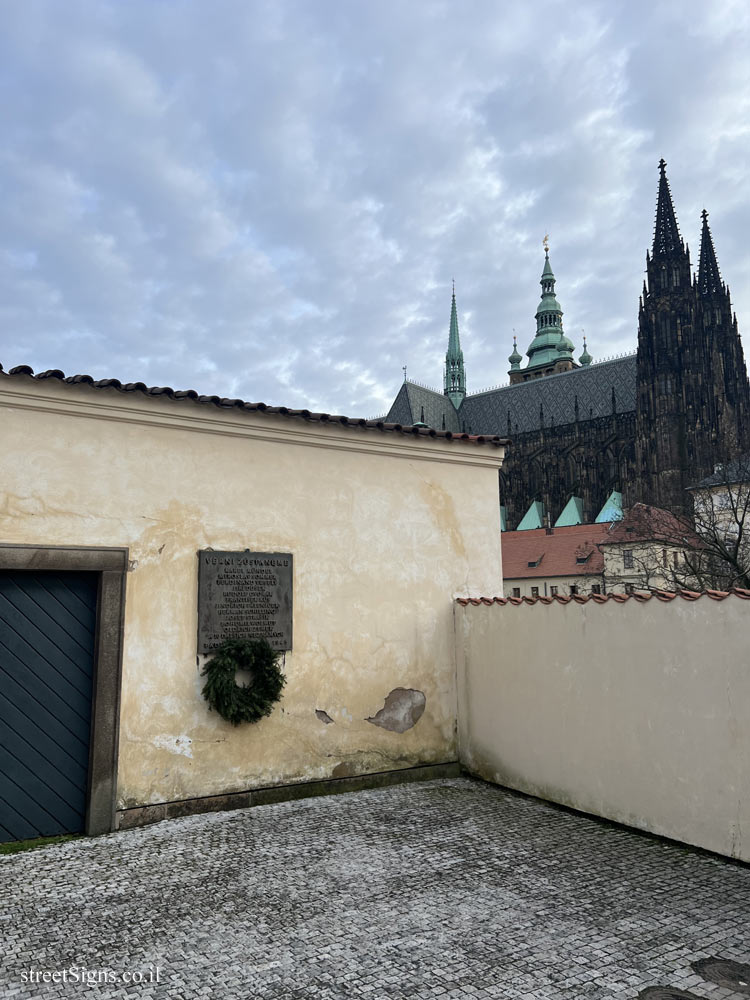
[[648, 571], [384, 530], [638, 712]]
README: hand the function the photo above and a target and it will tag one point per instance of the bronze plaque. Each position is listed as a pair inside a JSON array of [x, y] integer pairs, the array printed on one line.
[[244, 595]]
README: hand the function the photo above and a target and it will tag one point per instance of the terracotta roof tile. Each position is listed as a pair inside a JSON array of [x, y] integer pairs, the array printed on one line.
[[226, 403], [644, 523], [640, 596], [556, 550]]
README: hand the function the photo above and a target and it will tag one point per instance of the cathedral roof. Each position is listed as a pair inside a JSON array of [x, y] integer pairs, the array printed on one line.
[[583, 394], [418, 404]]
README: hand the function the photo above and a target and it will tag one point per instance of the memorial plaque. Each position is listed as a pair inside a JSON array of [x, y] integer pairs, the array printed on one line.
[[244, 595]]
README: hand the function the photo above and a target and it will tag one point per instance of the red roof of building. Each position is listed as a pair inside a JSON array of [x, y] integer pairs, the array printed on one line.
[[543, 552], [640, 597], [186, 395], [643, 523]]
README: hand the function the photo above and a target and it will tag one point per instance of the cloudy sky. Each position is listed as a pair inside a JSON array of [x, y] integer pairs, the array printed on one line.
[[270, 199]]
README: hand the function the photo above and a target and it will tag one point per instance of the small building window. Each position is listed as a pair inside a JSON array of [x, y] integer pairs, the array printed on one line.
[[535, 591], [574, 588], [596, 588], [627, 558], [629, 588], [553, 590], [675, 559], [516, 591]]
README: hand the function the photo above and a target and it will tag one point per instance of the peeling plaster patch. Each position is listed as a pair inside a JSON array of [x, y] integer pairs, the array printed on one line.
[[403, 709], [175, 744], [343, 770], [323, 716]]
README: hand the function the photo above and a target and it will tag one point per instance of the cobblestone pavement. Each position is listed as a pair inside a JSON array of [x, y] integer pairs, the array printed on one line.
[[444, 889]]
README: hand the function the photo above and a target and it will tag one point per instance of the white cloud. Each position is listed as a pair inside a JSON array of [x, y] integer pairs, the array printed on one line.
[[270, 199]]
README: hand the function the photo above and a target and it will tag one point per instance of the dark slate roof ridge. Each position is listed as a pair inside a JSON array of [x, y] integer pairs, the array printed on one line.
[[227, 403], [639, 596], [424, 388], [729, 474], [598, 390], [596, 366]]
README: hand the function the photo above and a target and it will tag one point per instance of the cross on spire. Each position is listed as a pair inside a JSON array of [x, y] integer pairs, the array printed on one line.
[[667, 239]]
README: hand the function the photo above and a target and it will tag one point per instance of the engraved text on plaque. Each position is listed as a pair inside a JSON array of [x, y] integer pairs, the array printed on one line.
[[244, 595]]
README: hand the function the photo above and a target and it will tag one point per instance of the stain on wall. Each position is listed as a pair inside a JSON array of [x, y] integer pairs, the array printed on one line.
[[375, 571], [403, 709], [324, 716]]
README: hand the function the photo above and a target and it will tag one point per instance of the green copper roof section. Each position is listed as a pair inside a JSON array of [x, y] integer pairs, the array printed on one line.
[[585, 358], [533, 518], [612, 509], [572, 513], [503, 518], [454, 343], [515, 358], [455, 373], [550, 343]]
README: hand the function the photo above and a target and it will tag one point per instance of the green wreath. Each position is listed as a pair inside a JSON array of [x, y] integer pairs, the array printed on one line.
[[248, 702]]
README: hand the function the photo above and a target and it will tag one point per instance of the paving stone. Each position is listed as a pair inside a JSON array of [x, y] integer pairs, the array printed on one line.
[[447, 889]]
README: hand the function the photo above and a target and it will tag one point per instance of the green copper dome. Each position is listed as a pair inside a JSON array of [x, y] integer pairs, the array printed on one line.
[[550, 343], [545, 343], [585, 358], [515, 358]]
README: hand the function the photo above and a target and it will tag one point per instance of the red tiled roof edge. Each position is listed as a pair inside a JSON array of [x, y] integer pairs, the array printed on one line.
[[241, 404], [640, 596]]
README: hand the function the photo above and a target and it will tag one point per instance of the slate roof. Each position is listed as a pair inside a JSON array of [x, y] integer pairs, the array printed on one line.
[[527, 406], [551, 401], [394, 427], [737, 471], [556, 553], [413, 399]]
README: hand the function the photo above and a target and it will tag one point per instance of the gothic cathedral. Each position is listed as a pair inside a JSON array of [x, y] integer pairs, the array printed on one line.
[[646, 426]]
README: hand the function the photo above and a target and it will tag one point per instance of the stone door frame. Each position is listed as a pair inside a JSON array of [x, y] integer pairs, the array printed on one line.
[[111, 564]]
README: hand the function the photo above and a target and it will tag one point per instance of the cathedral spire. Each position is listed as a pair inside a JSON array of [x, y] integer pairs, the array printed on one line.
[[667, 239], [455, 373], [709, 278], [550, 345]]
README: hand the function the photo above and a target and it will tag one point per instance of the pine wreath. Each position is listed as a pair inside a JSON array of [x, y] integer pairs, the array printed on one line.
[[247, 702]]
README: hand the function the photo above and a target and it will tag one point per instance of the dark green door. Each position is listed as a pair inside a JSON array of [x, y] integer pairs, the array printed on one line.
[[47, 629]]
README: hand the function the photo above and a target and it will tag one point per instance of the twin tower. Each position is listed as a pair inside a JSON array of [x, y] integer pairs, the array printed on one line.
[[648, 425]]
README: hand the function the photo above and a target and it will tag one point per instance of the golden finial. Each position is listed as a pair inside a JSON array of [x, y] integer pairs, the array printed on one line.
[[545, 243]]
